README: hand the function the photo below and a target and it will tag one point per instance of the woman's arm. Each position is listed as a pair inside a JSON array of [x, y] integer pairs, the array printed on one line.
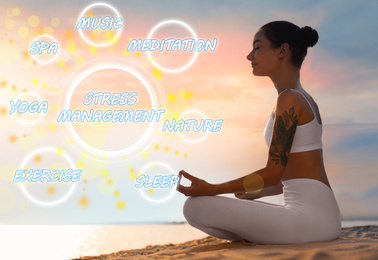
[[286, 121]]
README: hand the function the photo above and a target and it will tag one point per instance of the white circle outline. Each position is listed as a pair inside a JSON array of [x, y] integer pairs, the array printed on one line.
[[190, 141], [38, 201], [98, 68], [174, 22], [32, 122], [119, 30], [55, 55], [173, 190]]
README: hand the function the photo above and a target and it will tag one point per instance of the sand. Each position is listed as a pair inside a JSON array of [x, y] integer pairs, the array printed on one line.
[[354, 243]]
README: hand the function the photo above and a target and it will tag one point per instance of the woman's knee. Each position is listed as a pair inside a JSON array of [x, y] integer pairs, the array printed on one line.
[[192, 207]]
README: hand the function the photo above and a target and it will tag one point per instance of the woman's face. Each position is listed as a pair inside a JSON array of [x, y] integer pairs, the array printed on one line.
[[264, 58]]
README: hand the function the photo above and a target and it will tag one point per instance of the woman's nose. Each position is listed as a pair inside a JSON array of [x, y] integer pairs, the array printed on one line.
[[249, 56]]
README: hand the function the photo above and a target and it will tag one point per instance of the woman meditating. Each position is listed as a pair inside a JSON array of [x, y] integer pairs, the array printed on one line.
[[295, 162]]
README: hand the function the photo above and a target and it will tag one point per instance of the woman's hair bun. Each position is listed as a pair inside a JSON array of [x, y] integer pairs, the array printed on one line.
[[310, 36]]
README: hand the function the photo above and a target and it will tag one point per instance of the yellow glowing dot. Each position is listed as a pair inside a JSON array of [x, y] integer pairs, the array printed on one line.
[[129, 38], [80, 58], [37, 158], [34, 81], [68, 69], [157, 73], [151, 59], [61, 63], [124, 158], [93, 49], [173, 136], [111, 50], [186, 94], [13, 138], [104, 173], [24, 136], [131, 170], [72, 48], [176, 152], [126, 53], [3, 110], [128, 167], [83, 201], [116, 193], [55, 22], [138, 54], [24, 90], [16, 12], [156, 146], [145, 155], [55, 107], [44, 85], [59, 151], [68, 34], [150, 191], [165, 134], [121, 204], [154, 165], [26, 55], [144, 63], [69, 141], [185, 155], [180, 139], [9, 24], [89, 13], [48, 30], [80, 165], [35, 63], [3, 83], [51, 190], [171, 97], [23, 32], [131, 175], [166, 148], [110, 181], [14, 87], [33, 20], [84, 189]]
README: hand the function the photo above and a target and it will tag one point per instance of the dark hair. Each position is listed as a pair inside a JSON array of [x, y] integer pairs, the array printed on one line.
[[299, 39]]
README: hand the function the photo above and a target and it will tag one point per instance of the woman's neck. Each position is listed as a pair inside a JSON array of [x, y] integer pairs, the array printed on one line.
[[286, 78]]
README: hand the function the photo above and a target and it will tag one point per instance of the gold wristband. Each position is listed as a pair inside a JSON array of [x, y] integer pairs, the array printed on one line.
[[253, 183]]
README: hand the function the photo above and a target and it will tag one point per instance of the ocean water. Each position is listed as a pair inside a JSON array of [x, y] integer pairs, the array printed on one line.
[[67, 242]]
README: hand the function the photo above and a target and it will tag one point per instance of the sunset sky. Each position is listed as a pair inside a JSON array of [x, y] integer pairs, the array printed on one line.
[[340, 73]]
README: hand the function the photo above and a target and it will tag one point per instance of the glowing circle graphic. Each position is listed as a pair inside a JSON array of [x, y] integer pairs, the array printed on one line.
[[179, 23], [39, 202]]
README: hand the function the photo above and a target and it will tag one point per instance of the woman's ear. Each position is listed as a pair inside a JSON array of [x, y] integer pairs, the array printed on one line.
[[283, 50]]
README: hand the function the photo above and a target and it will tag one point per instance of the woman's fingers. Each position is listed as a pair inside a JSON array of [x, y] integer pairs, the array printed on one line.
[[187, 175], [239, 195], [184, 190]]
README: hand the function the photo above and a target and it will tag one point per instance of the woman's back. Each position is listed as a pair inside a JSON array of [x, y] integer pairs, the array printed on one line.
[[306, 156]]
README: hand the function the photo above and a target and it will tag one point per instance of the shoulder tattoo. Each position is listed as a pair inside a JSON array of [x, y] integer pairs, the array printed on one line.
[[283, 136]]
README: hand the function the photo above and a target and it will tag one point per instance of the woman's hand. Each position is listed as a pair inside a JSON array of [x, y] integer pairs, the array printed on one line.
[[198, 187], [244, 195]]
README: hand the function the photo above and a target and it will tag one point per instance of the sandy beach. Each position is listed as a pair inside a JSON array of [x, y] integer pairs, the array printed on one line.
[[359, 242]]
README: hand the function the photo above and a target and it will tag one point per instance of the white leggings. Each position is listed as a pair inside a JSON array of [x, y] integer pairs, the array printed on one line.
[[310, 214]]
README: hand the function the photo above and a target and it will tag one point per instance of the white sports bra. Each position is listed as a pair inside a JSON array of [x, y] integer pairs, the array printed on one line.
[[307, 137]]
